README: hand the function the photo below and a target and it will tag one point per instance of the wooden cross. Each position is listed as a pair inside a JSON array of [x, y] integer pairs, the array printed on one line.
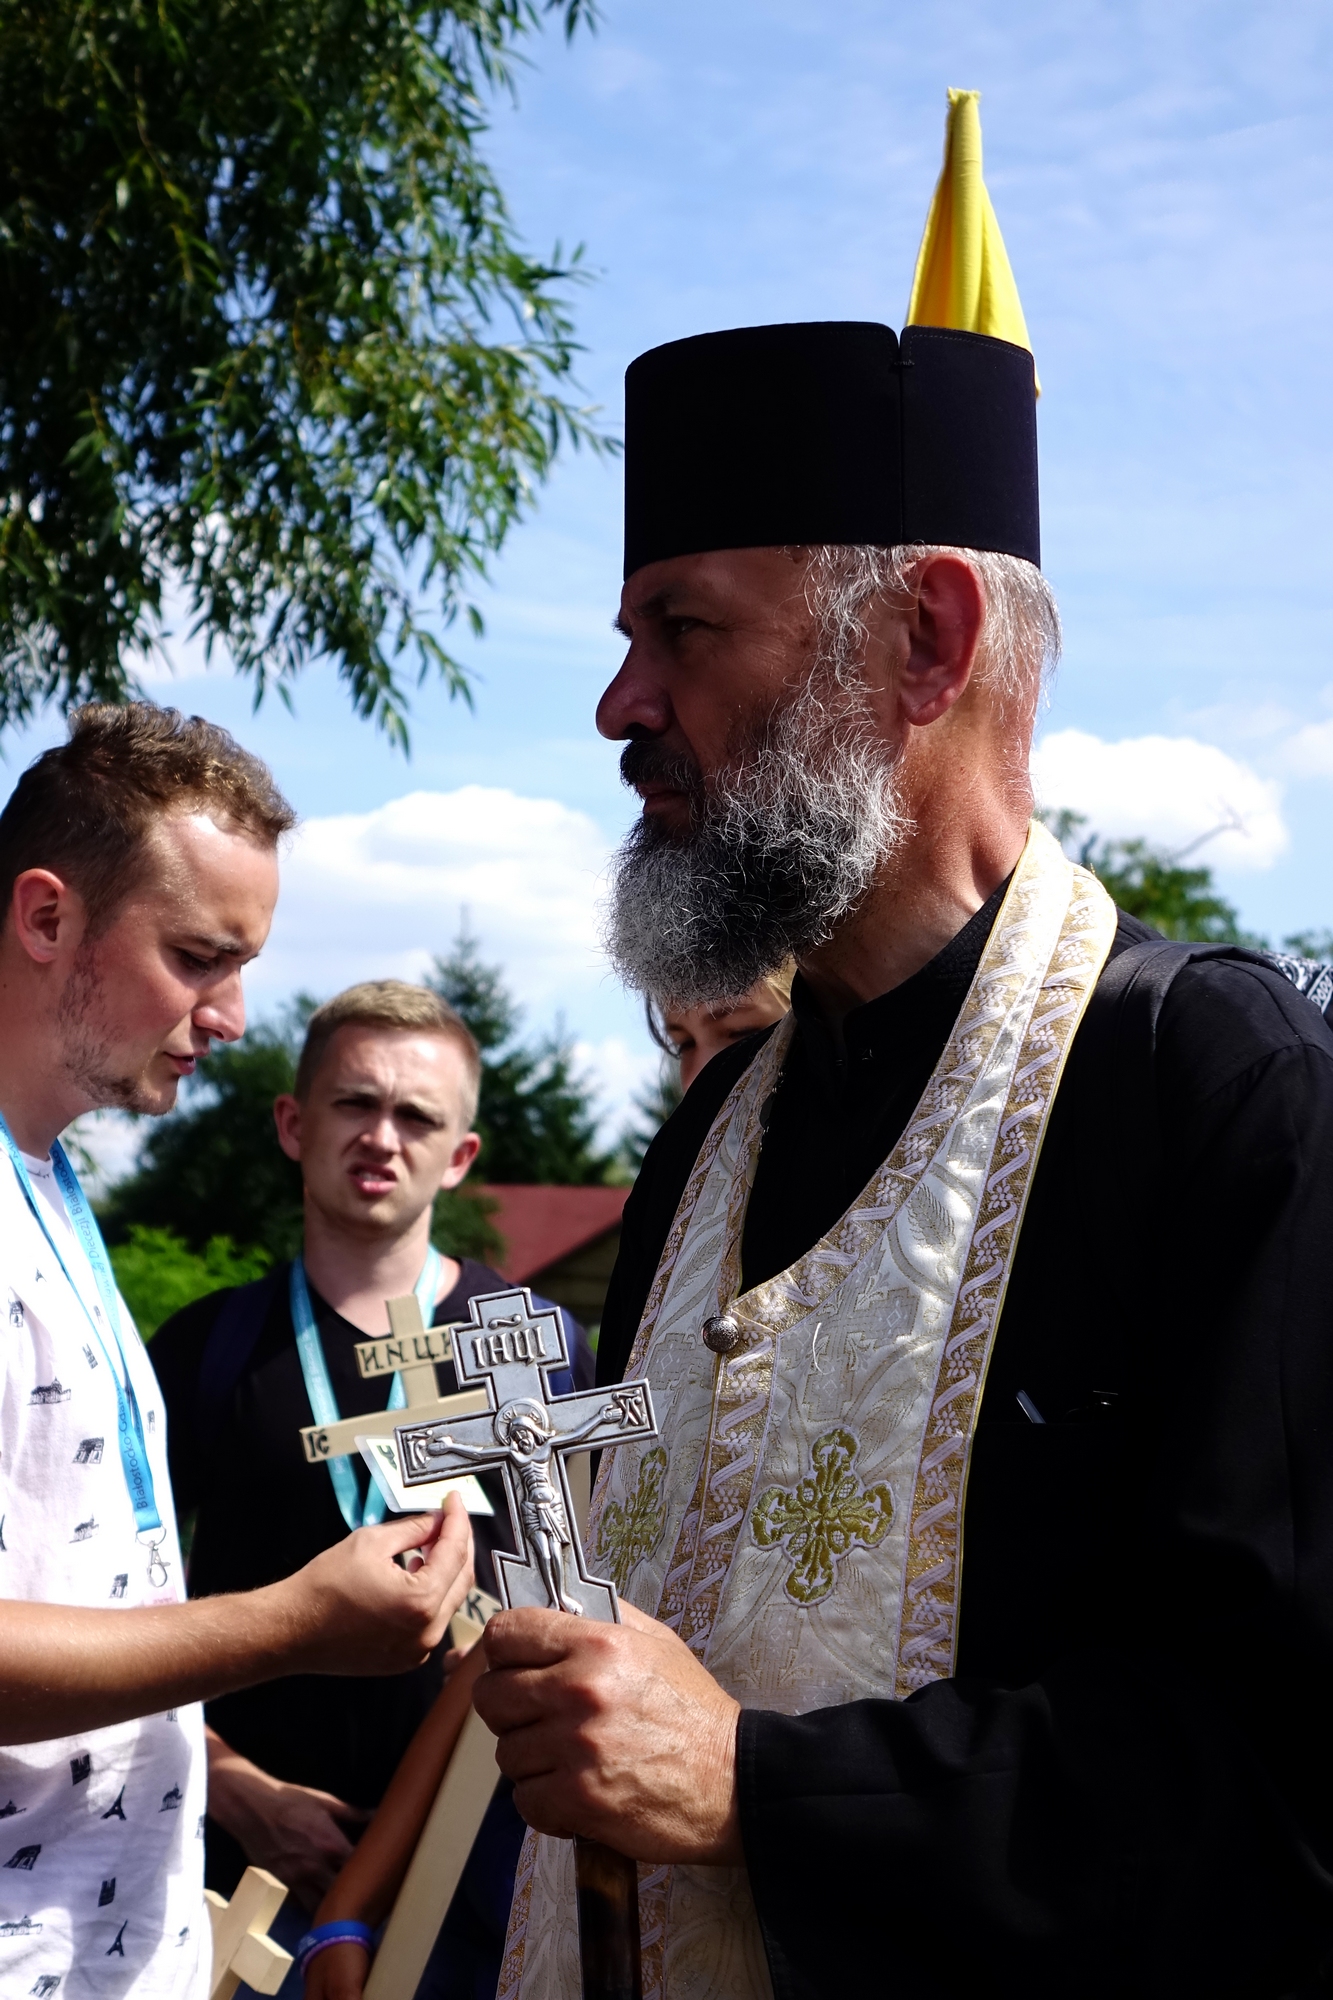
[[447, 1835], [510, 1348], [412, 1348], [242, 1950]]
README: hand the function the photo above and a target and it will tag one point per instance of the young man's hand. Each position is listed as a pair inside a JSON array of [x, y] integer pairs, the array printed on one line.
[[355, 1610], [297, 1833], [68, 1668]]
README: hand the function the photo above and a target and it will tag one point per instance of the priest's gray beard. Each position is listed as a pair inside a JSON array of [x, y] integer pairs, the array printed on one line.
[[784, 843]]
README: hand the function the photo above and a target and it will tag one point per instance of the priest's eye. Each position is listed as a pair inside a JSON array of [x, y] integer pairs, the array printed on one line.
[[193, 963], [676, 628]]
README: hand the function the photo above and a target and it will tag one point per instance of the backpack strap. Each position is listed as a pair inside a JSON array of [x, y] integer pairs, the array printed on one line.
[[231, 1341], [1123, 1017]]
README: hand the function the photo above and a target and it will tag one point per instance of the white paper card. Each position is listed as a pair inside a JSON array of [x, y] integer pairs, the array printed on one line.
[[381, 1455]]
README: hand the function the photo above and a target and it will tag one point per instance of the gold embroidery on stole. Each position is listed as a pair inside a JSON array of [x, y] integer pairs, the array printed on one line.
[[862, 1367]]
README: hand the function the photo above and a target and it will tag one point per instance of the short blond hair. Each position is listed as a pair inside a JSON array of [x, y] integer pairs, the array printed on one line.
[[389, 1003]]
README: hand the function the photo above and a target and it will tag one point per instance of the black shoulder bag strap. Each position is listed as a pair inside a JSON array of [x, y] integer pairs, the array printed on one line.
[[231, 1341], [1126, 1009], [1126, 1170]]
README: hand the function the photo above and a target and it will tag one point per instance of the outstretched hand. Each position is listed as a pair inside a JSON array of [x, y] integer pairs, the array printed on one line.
[[363, 1613], [613, 1731]]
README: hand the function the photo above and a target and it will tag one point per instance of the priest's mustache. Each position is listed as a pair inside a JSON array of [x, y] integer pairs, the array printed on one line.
[[645, 761]]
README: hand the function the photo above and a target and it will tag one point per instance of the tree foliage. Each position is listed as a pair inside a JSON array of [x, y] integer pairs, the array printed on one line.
[[270, 351], [158, 1274], [652, 1106], [214, 1167], [1151, 885], [1178, 902], [536, 1118], [1317, 944]]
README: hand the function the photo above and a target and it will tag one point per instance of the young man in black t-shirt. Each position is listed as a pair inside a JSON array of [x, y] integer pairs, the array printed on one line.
[[380, 1120]]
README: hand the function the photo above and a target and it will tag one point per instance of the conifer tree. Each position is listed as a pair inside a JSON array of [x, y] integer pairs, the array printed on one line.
[[536, 1116]]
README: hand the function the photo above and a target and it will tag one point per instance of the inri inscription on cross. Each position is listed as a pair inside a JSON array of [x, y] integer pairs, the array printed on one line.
[[412, 1350], [509, 1348]]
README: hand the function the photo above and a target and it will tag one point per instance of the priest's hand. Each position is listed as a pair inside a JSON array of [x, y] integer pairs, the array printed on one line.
[[613, 1731], [359, 1612]]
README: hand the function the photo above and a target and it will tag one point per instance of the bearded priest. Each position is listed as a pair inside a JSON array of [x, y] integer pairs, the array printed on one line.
[[979, 1592]]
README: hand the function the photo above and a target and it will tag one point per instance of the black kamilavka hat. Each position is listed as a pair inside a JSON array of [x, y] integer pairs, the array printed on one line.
[[830, 431]]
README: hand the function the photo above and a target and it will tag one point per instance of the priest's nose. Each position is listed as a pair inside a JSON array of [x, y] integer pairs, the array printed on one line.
[[635, 704]]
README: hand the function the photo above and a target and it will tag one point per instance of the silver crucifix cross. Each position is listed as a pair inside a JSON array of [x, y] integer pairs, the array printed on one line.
[[508, 1348]]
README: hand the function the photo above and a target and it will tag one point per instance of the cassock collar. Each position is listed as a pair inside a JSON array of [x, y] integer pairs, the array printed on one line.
[[925, 1005]]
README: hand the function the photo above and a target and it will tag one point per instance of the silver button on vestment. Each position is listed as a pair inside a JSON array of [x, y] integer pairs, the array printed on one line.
[[722, 1333]]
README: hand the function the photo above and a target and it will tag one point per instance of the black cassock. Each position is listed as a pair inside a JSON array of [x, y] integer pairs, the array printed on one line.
[[1127, 1789]]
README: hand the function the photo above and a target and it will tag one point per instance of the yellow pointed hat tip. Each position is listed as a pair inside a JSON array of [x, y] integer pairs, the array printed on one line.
[[963, 275]]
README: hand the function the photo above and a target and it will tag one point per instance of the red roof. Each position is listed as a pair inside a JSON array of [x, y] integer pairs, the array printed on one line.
[[540, 1225]]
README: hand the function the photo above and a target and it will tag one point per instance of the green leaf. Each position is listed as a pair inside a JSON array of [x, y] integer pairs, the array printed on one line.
[[158, 1273], [268, 339]]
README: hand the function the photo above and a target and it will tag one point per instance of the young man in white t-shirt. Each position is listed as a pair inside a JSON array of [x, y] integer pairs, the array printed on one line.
[[138, 874]]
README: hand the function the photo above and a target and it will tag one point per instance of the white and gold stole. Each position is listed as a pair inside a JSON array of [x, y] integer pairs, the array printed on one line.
[[800, 1521]]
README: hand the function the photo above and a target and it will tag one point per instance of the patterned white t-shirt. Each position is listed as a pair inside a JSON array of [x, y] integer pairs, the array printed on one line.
[[101, 1834]]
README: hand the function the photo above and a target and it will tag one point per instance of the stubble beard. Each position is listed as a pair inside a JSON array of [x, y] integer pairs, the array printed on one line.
[[88, 1050], [785, 842]]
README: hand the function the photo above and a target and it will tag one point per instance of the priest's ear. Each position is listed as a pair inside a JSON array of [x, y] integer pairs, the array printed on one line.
[[287, 1118], [943, 629]]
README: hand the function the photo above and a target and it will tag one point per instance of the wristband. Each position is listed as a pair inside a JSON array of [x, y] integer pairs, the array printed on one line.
[[345, 1931]]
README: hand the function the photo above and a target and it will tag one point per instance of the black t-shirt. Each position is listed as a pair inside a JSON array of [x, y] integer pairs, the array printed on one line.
[[261, 1512], [1122, 1789]]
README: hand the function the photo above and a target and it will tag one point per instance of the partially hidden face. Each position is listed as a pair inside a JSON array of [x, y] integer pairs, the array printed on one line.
[[700, 1033], [144, 1000], [383, 1126]]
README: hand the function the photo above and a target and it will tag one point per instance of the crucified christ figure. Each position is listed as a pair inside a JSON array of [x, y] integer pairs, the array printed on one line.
[[527, 1438]]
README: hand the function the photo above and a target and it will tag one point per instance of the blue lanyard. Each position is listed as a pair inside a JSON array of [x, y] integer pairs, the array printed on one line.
[[129, 1423], [323, 1402]]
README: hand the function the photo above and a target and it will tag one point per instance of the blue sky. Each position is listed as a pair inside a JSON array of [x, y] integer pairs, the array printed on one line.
[[1162, 178]]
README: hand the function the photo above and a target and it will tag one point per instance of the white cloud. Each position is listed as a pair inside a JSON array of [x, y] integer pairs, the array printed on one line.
[[1309, 753], [104, 1146], [1169, 790], [376, 894]]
